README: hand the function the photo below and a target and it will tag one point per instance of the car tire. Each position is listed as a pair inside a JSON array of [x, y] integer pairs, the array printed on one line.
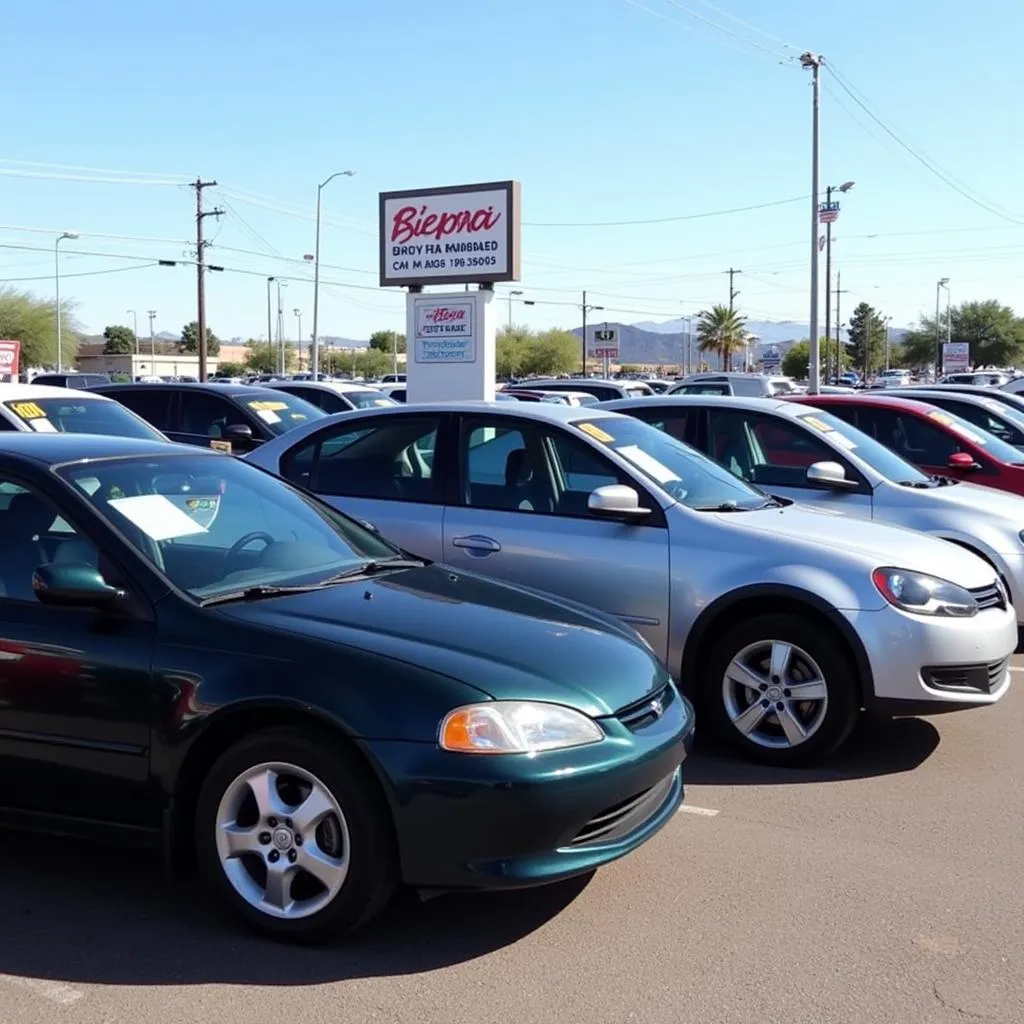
[[777, 727], [295, 836]]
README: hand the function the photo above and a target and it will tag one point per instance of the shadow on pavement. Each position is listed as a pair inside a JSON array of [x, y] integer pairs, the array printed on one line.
[[94, 914], [875, 747]]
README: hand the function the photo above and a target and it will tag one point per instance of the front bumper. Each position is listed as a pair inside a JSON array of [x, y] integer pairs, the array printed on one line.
[[929, 665], [467, 821]]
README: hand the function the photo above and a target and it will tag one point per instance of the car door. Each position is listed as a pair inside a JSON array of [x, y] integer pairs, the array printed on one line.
[[775, 452], [381, 471], [519, 513], [75, 684]]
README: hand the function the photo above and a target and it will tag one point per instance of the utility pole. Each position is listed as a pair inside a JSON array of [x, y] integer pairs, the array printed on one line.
[[839, 321], [814, 62], [201, 215], [152, 341], [732, 272], [298, 317], [586, 309], [828, 280]]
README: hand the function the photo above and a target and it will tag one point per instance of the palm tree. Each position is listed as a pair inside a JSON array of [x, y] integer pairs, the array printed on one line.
[[722, 330]]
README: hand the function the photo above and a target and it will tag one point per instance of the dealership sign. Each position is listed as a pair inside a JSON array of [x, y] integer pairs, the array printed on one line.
[[444, 330], [466, 234], [956, 356], [10, 354]]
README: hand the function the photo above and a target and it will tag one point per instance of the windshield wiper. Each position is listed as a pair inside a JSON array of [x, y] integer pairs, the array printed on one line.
[[363, 570], [725, 506]]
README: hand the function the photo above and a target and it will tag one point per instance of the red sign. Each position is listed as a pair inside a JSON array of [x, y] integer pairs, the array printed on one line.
[[418, 222], [445, 315], [10, 353]]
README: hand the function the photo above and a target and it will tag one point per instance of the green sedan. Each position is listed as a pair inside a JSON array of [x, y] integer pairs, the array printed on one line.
[[196, 654]]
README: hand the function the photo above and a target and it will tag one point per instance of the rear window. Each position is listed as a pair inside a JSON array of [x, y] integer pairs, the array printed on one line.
[[368, 399], [80, 416]]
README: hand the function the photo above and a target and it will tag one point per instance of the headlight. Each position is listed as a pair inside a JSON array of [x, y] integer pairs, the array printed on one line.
[[516, 727], [924, 595]]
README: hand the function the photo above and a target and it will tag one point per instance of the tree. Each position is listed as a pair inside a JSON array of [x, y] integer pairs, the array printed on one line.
[[797, 361], [867, 339], [510, 353], [190, 339], [385, 341], [33, 322], [722, 330], [118, 340], [993, 331], [230, 369], [265, 357], [552, 352]]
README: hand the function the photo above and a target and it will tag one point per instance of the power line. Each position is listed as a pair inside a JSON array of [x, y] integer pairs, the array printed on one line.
[[81, 273], [665, 220], [97, 170], [753, 28], [50, 176], [721, 28]]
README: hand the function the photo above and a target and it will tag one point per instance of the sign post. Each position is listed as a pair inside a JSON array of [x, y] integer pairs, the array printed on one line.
[[605, 346], [464, 234], [956, 357]]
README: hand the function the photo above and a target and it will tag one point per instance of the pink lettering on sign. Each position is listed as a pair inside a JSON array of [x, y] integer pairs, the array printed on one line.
[[417, 222], [444, 315]]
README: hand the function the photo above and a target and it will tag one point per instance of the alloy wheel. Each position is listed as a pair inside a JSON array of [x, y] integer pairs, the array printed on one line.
[[775, 694], [282, 840]]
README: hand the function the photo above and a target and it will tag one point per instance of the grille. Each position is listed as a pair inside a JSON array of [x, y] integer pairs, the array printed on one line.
[[967, 678], [644, 712], [991, 596], [622, 818]]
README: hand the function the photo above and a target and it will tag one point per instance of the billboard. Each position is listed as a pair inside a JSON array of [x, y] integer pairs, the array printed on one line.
[[461, 234], [10, 355], [956, 357]]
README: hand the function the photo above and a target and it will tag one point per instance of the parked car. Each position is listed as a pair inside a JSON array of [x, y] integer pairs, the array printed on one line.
[[990, 414], [46, 410], [231, 417], [893, 379], [240, 669], [394, 392], [334, 396], [576, 398], [783, 622], [936, 441], [746, 384], [78, 381], [602, 390], [803, 453], [989, 378]]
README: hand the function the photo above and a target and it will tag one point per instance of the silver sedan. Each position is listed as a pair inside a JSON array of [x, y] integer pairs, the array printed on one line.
[[782, 621]]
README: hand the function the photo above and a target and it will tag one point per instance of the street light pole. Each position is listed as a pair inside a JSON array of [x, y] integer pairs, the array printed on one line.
[[586, 309], [943, 282], [280, 327], [845, 187], [152, 341], [316, 273], [270, 333], [298, 317], [56, 286], [510, 294], [814, 62], [135, 328]]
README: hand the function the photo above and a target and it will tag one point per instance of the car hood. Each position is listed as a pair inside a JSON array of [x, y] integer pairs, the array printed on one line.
[[874, 544], [511, 643], [965, 498]]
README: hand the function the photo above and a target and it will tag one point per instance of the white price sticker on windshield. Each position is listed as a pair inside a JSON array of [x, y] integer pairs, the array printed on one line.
[[42, 426], [268, 416], [647, 463], [156, 516]]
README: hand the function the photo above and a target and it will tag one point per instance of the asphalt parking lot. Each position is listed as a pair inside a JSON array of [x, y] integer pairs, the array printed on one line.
[[884, 887]]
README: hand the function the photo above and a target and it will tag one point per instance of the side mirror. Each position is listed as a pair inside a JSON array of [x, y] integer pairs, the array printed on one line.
[[962, 460], [829, 474], [74, 585], [616, 501], [238, 432]]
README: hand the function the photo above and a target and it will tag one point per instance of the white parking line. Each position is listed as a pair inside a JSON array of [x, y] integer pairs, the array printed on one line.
[[55, 991], [705, 812]]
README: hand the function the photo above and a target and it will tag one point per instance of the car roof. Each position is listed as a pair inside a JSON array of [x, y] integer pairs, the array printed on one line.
[[26, 392], [980, 397], [545, 411], [873, 398], [48, 449], [215, 387], [326, 385], [752, 402]]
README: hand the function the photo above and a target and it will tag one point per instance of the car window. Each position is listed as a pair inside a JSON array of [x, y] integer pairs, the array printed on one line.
[[389, 460], [1003, 422], [74, 415], [216, 525], [369, 399], [152, 404], [207, 415], [530, 469], [747, 388], [701, 389], [278, 411], [917, 440], [6, 424], [765, 450], [33, 533], [672, 421]]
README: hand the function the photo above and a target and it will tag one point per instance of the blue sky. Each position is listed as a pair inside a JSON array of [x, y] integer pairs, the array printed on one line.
[[603, 110]]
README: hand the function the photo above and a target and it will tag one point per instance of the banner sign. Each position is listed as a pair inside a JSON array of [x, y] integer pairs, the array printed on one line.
[[10, 354], [956, 356], [464, 234], [444, 331]]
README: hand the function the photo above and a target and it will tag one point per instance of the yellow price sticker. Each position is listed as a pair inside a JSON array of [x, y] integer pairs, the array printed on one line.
[[941, 417], [596, 433], [818, 424], [268, 406], [28, 410]]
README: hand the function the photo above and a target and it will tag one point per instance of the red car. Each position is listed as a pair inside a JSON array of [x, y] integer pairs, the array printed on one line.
[[934, 440]]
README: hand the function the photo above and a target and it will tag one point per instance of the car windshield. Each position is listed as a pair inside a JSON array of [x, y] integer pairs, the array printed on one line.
[[77, 415], [215, 525], [993, 445], [881, 459], [281, 413], [368, 399], [679, 470]]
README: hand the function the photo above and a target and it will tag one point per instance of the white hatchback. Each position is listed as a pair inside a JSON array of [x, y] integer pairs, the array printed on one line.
[[40, 409]]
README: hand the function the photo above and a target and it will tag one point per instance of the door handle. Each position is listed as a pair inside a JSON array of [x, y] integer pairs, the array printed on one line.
[[484, 545]]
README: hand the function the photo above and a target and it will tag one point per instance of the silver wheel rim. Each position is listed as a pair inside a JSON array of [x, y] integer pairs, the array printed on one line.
[[775, 694], [282, 840]]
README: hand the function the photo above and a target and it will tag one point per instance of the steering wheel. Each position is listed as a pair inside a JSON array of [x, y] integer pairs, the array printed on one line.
[[236, 549]]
